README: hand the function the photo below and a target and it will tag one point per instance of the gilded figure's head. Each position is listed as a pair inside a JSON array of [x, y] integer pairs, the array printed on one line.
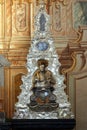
[[42, 62]]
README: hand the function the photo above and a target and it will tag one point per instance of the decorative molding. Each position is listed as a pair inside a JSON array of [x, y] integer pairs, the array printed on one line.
[[17, 63], [73, 56], [82, 76], [60, 1], [20, 1], [57, 18], [18, 59], [84, 67], [50, 2], [21, 17], [79, 33], [17, 83]]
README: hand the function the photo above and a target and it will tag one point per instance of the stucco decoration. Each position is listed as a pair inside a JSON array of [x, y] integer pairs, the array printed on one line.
[[57, 18], [21, 16]]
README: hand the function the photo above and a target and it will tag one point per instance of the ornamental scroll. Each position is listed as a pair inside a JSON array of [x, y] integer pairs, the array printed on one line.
[[21, 17]]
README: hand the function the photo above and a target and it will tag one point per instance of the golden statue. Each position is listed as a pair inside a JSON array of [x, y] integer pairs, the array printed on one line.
[[42, 86], [42, 77]]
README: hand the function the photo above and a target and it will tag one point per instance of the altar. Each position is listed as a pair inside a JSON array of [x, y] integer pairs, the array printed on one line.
[[42, 103], [43, 124]]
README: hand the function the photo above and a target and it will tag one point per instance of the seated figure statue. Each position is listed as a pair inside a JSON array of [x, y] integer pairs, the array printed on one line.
[[43, 83]]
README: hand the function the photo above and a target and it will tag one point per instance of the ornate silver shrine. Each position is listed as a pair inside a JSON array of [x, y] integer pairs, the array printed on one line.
[[42, 92]]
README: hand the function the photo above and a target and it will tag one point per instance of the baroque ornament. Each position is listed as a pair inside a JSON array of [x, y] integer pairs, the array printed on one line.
[[49, 2], [42, 92]]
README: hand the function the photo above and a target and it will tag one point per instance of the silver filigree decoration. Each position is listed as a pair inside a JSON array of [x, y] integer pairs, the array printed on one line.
[[42, 34]]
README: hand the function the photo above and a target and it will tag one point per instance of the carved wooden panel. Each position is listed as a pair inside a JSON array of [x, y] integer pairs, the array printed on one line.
[[57, 18], [21, 17], [1, 105], [13, 88], [17, 84], [21, 21], [58, 13], [1, 98], [8, 19]]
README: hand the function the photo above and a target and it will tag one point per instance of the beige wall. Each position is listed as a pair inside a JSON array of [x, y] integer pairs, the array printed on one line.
[[81, 104]]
